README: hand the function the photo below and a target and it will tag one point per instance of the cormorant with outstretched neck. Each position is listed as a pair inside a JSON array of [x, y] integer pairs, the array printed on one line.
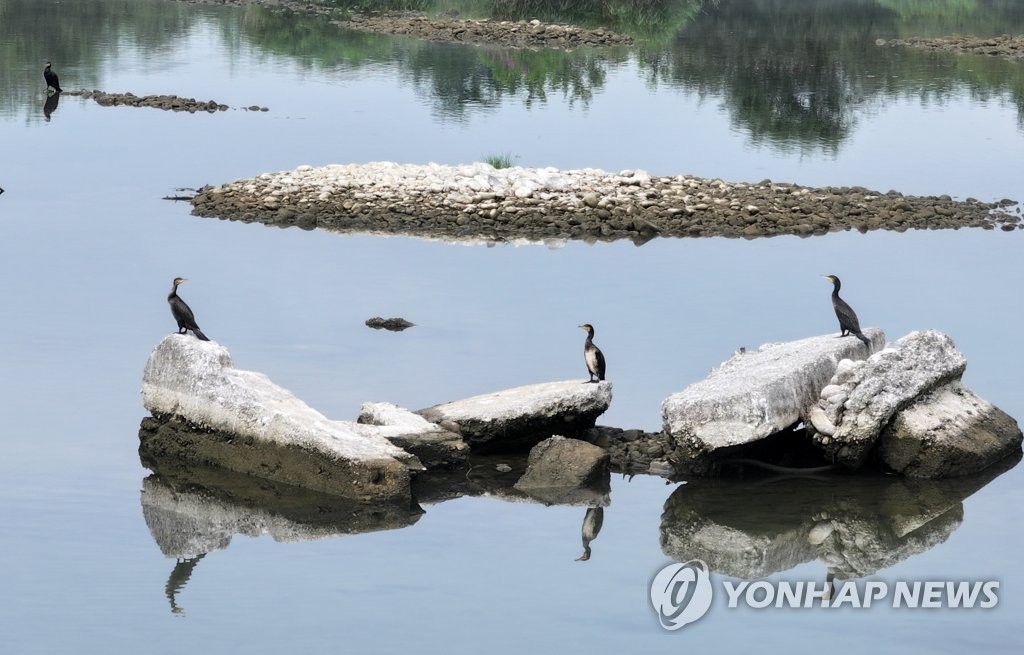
[[848, 323], [51, 78], [593, 355], [183, 313]]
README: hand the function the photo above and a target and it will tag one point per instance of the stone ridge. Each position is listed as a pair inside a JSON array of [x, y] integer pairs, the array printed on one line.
[[479, 202]]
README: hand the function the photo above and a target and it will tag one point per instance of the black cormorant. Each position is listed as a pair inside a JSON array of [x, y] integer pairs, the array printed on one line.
[[182, 313], [51, 78], [848, 323], [593, 355]]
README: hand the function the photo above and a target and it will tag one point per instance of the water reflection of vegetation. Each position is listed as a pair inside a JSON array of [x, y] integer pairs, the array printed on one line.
[[801, 87], [641, 19], [459, 79], [804, 86]]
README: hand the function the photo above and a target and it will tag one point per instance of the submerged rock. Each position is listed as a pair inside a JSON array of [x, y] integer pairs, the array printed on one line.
[[948, 432], [523, 416], [432, 444], [209, 412], [753, 395], [863, 397], [390, 324]]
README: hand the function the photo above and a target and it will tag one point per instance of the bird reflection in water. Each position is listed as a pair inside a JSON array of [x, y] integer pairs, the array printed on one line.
[[50, 105], [179, 577], [592, 521]]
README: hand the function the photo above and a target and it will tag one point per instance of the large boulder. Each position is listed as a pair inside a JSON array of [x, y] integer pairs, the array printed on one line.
[[946, 433], [863, 397], [565, 471], [210, 412], [523, 416], [753, 395], [433, 445]]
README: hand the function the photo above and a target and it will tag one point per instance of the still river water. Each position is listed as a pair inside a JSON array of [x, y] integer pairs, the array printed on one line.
[[738, 89]]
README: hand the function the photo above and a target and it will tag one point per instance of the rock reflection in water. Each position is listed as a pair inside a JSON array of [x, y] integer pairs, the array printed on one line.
[[194, 511], [855, 525]]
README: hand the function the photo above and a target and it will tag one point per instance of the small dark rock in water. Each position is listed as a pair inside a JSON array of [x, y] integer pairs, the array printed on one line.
[[393, 324]]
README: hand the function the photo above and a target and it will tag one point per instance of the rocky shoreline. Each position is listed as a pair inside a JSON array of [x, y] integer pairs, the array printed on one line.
[[1006, 46], [531, 34], [164, 102], [479, 202]]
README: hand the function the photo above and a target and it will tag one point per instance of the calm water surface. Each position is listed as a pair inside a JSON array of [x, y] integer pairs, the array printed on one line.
[[739, 90]]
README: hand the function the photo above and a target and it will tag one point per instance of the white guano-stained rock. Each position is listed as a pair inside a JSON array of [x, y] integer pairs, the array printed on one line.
[[753, 395], [864, 397], [432, 444], [523, 415], [949, 432], [213, 413]]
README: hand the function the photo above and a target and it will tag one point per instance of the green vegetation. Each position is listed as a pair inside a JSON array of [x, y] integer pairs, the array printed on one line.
[[503, 160]]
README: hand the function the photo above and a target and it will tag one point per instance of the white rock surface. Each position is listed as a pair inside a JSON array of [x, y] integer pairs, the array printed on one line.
[[753, 395], [523, 415], [947, 433], [197, 382], [867, 395], [432, 444]]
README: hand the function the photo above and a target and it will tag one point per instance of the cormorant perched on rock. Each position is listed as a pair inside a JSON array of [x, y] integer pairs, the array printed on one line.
[[182, 313], [848, 323], [51, 78], [593, 355]]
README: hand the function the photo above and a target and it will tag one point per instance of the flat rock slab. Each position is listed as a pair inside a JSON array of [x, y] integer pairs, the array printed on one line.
[[863, 397], [212, 413], [948, 433], [753, 395], [433, 445], [523, 416]]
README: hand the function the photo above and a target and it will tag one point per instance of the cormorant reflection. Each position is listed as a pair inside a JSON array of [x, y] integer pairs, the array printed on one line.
[[592, 522]]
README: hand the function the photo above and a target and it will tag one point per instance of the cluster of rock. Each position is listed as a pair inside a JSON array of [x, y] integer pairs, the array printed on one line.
[[478, 201], [632, 451], [165, 102], [207, 412], [533, 34], [507, 34], [907, 402], [901, 404], [1006, 46]]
